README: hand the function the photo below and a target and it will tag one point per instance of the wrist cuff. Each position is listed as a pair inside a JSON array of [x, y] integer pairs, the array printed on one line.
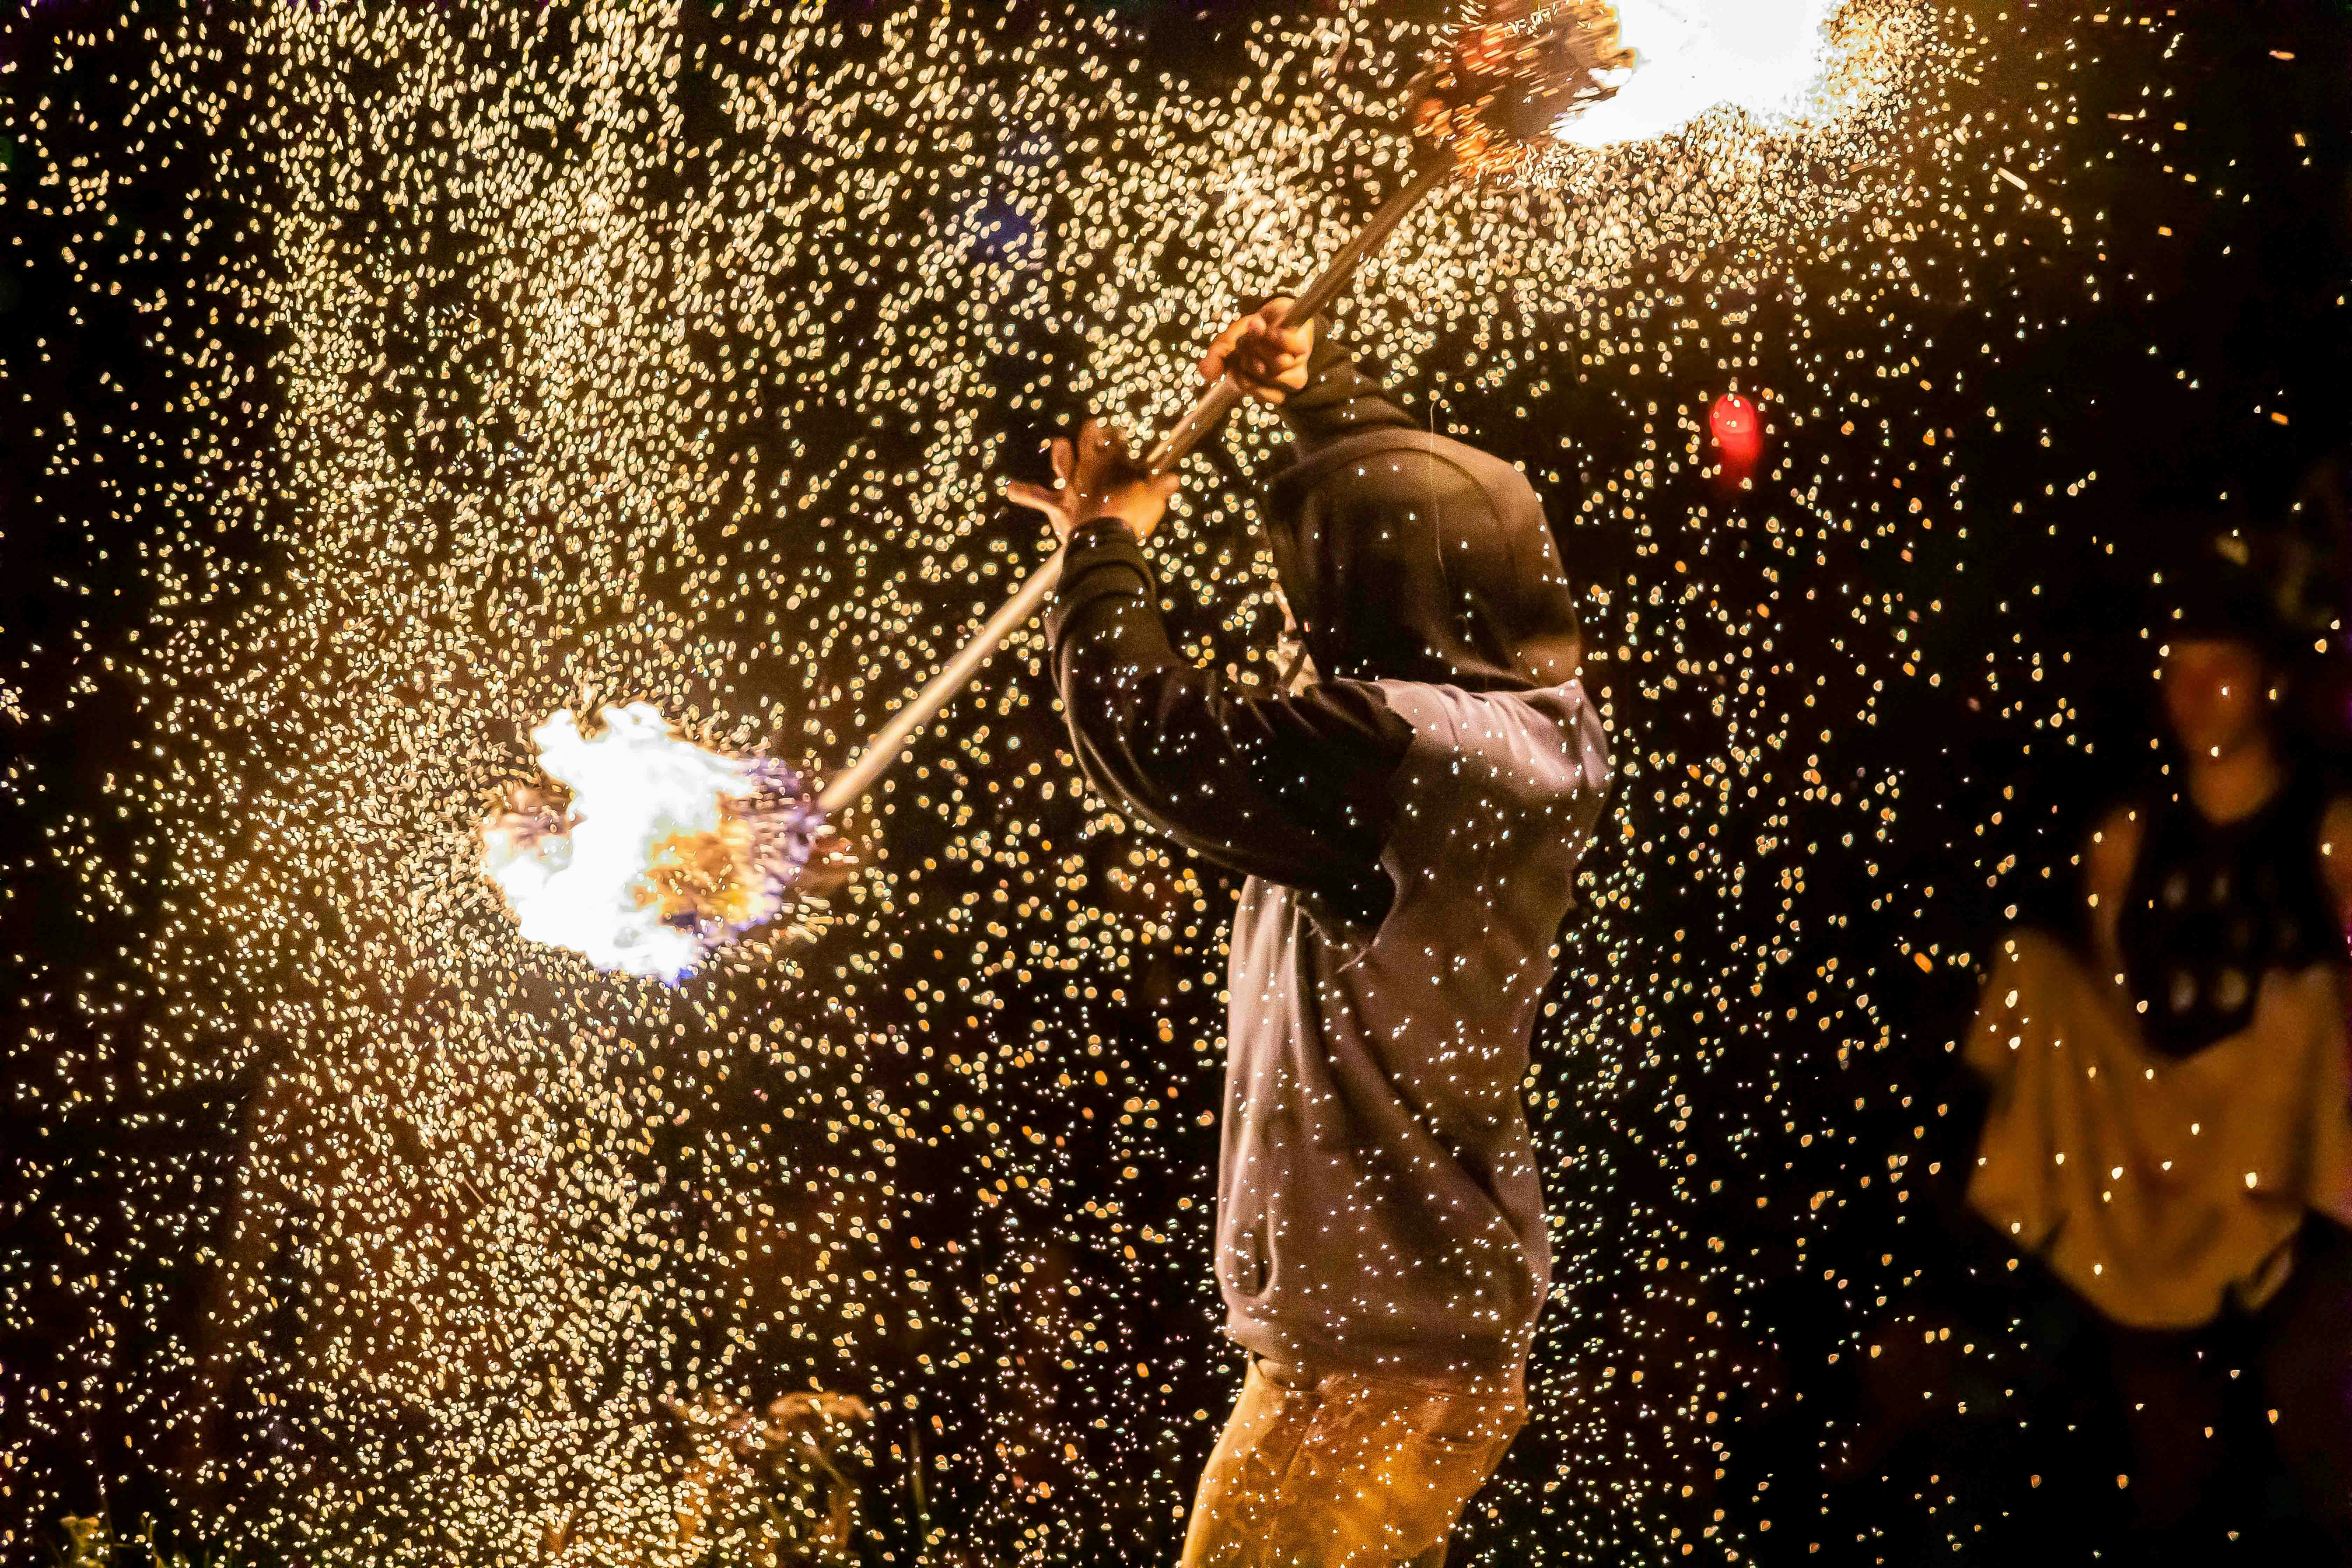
[[1102, 558]]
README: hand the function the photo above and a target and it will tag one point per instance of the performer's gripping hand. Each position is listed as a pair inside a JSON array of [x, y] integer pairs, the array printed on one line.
[[1269, 363], [1095, 478]]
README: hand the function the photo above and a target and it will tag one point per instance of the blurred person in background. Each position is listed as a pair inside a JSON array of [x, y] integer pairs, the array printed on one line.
[[2170, 1121]]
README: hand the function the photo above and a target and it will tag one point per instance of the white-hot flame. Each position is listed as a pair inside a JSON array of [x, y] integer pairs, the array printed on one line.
[[666, 852], [1766, 57]]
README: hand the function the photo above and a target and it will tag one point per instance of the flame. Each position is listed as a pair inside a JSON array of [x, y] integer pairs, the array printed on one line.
[[1767, 57], [664, 853]]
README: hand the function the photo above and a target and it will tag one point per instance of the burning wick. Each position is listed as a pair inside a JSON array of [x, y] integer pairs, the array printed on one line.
[[650, 853]]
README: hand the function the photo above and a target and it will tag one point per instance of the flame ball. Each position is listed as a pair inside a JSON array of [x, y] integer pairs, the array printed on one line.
[[662, 853]]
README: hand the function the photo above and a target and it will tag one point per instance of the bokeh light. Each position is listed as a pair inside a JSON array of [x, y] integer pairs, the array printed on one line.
[[1738, 430]]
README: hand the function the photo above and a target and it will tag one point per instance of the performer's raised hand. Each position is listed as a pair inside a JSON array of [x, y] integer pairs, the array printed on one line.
[[1095, 478], [1268, 363]]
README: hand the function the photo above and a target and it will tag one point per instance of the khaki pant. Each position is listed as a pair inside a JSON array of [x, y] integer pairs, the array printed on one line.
[[1332, 1470]]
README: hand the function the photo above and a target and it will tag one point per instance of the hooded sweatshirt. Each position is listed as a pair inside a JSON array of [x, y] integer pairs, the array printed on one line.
[[1409, 825]]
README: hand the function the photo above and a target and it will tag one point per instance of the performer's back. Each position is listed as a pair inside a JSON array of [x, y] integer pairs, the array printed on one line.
[[1378, 1203]]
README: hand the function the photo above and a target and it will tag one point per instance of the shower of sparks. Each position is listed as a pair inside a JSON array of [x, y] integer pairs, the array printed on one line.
[[662, 852], [614, 348], [656, 866]]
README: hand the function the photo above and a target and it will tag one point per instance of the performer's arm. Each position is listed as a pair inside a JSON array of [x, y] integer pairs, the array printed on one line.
[[2107, 864], [1291, 788]]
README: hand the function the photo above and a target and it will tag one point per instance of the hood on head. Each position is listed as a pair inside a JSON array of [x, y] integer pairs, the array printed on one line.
[[1409, 556]]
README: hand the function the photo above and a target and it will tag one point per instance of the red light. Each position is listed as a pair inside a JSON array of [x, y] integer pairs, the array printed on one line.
[[1738, 431]]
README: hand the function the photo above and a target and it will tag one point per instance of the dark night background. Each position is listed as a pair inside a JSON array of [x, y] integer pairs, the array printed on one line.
[[1869, 1456]]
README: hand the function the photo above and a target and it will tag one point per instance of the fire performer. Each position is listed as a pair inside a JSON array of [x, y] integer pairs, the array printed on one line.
[[1409, 812]]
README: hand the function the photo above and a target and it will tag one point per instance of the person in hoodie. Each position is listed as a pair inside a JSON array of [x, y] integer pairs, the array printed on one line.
[[1409, 814]]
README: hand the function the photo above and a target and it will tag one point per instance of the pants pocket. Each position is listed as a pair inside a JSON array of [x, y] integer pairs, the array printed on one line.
[[1460, 1419], [1447, 1448]]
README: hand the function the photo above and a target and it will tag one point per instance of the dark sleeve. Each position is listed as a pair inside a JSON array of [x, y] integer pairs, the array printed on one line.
[[1294, 789]]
